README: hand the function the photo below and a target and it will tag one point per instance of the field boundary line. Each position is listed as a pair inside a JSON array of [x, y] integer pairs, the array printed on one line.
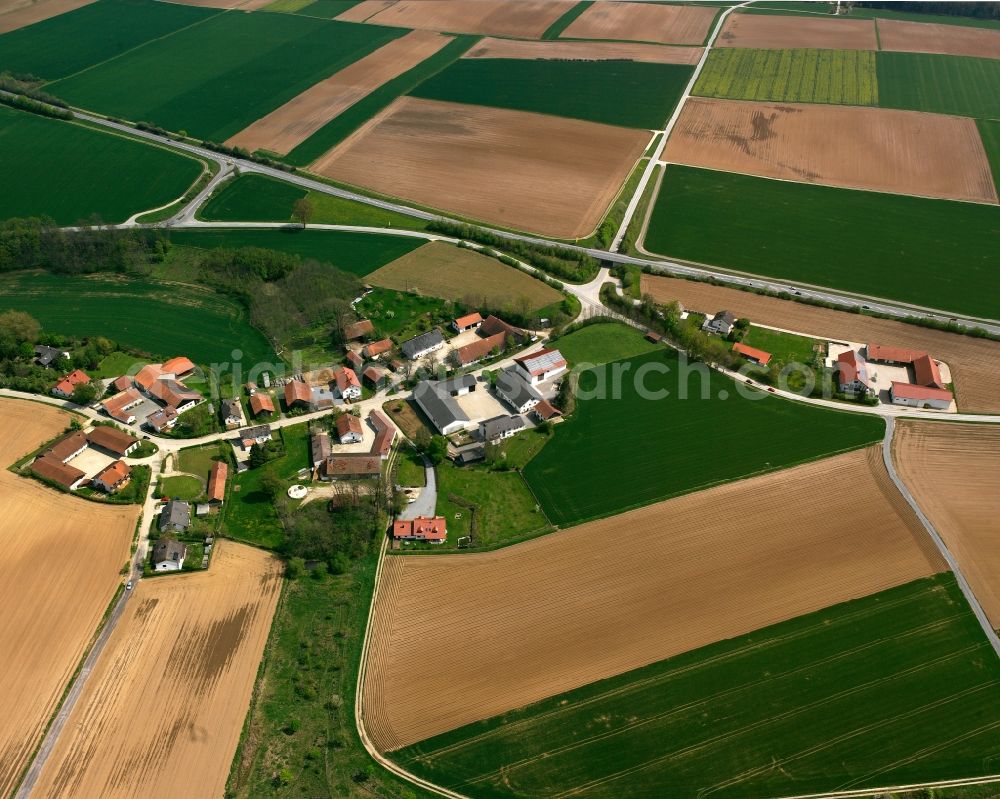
[[865, 793], [963, 584]]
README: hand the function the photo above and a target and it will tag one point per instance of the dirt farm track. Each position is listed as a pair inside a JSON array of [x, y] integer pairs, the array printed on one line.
[[491, 632], [59, 571], [974, 362], [953, 472], [162, 711]]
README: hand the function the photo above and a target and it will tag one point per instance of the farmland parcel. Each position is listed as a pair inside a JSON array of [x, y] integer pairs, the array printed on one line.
[[771, 32], [528, 171], [52, 606], [45, 175], [903, 152], [916, 37], [214, 79], [452, 273], [629, 93], [601, 599], [190, 645], [803, 76], [833, 237], [652, 449], [584, 51], [643, 22], [953, 471], [940, 83], [895, 688], [21, 13], [974, 363], [528, 19]]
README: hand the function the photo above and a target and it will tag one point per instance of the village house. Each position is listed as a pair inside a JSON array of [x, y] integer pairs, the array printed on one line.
[[55, 470], [358, 330], [914, 396], [231, 413], [47, 356], [112, 440], [422, 345], [385, 434], [64, 388], [261, 403], [541, 366], [120, 384], [260, 434], [376, 349], [376, 377], [321, 399], [499, 428], [545, 411], [113, 477], [161, 420], [721, 324], [354, 360], [347, 383], [319, 447], [349, 430], [350, 465], [752, 354], [217, 482], [168, 555], [423, 528], [436, 398], [297, 394], [175, 516], [511, 387], [852, 373], [160, 383], [494, 324], [468, 322], [120, 405]]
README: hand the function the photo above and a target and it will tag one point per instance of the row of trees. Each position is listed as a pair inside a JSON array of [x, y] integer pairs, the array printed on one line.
[[978, 10]]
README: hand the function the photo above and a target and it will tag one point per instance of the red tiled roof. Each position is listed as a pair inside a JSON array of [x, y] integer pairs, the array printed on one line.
[[385, 434], [752, 352], [346, 378], [352, 465], [348, 423], [373, 374], [217, 481], [851, 367], [66, 446], [494, 325], [297, 391], [77, 377], [545, 410], [354, 358], [178, 366], [56, 471], [122, 383], [358, 329], [469, 319], [910, 391], [111, 438], [115, 407], [477, 350], [926, 372], [172, 393], [148, 375], [423, 528], [260, 403], [882, 352], [377, 348], [113, 474]]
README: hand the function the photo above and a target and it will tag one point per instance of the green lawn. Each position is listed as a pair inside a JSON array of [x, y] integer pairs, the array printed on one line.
[[214, 79], [945, 84], [198, 460], [896, 688], [603, 343], [331, 210], [936, 253], [628, 93], [44, 174], [785, 347], [350, 119], [65, 44], [398, 313], [359, 253], [181, 486], [410, 469], [157, 318], [113, 365], [516, 452], [804, 76], [613, 453], [989, 131], [505, 510]]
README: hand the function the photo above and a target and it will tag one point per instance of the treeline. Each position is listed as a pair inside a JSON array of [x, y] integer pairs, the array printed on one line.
[[37, 243], [26, 97], [242, 152], [953, 9], [559, 261]]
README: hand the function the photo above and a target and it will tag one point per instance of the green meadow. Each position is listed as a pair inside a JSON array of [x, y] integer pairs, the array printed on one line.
[[602, 343]]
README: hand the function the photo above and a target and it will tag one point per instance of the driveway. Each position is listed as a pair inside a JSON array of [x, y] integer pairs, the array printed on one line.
[[426, 503]]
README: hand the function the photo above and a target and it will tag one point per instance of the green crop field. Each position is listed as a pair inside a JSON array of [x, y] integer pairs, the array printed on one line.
[[603, 343], [158, 318], [359, 253], [65, 44], [896, 688], [935, 253], [44, 174], [214, 79], [989, 131], [803, 76], [623, 449], [628, 93], [944, 84], [328, 9]]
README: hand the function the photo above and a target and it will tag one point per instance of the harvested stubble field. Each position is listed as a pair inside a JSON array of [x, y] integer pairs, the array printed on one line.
[[242, 5], [974, 363], [772, 32], [805, 76], [527, 19], [896, 688], [584, 51], [52, 605], [492, 632], [901, 152], [954, 471], [643, 22], [923, 37], [162, 711], [533, 172], [454, 273], [288, 126], [16, 14]]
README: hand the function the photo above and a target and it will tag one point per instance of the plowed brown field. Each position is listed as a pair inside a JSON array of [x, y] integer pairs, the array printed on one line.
[[532, 172], [923, 37], [768, 31], [163, 709], [59, 570], [643, 22], [902, 152], [294, 122], [974, 363], [16, 14], [584, 51], [521, 18], [491, 632], [953, 472]]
